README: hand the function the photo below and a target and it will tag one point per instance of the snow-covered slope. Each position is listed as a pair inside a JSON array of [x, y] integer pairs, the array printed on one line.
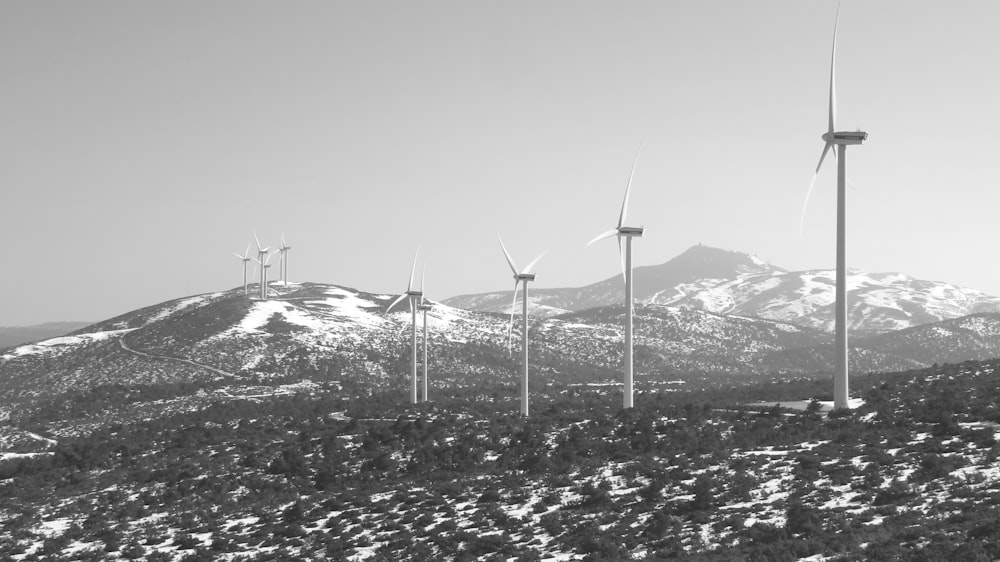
[[725, 282]]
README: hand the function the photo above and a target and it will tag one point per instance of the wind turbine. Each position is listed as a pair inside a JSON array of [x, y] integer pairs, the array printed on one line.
[[246, 260], [424, 307], [522, 276], [838, 140], [283, 264], [264, 266], [261, 252], [413, 296], [626, 232]]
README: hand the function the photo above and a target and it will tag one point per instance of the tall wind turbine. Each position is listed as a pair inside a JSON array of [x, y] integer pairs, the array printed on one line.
[[245, 258], [414, 296], [424, 307], [261, 253], [283, 264], [838, 140], [522, 276], [626, 232]]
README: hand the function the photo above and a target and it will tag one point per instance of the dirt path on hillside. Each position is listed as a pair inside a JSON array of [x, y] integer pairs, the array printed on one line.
[[121, 342]]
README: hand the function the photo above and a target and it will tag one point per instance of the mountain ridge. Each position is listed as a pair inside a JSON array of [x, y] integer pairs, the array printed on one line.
[[728, 282]]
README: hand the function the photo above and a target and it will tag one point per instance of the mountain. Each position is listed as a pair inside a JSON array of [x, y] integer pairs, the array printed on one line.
[[733, 283], [696, 269], [16, 335], [187, 353]]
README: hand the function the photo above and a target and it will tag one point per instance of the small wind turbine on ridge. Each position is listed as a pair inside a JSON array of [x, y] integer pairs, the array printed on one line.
[[838, 141], [283, 264], [626, 232], [522, 276], [264, 265], [261, 253], [245, 258], [412, 295], [424, 307]]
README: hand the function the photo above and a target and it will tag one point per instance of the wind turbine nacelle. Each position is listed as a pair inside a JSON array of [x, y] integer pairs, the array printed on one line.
[[846, 137], [415, 294], [630, 231], [424, 307], [525, 277]]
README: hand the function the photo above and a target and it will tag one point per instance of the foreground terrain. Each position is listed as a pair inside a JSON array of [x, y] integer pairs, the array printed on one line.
[[912, 473]]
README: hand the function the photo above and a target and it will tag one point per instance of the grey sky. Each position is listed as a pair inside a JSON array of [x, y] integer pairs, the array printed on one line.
[[142, 142]]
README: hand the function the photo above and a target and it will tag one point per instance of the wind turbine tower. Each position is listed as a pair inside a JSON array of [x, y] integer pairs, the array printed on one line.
[[245, 258], [414, 296], [839, 141], [522, 276], [264, 266], [283, 265], [424, 307], [626, 232]]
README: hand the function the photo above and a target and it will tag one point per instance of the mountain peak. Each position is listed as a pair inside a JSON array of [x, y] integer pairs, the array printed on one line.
[[720, 263]]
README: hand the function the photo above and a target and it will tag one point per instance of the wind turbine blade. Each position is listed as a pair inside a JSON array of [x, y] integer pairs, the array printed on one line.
[[802, 216], [628, 188], [413, 268], [395, 302], [246, 254], [604, 235], [239, 257], [506, 254], [823, 155], [255, 239], [833, 60], [423, 276], [510, 328], [533, 262]]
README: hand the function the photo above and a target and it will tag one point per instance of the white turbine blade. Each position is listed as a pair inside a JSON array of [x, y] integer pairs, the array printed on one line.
[[506, 254], [510, 328], [255, 239], [246, 254], [628, 188], [604, 235], [802, 216], [423, 276], [532, 264], [239, 257], [395, 302], [413, 268], [833, 60], [823, 155]]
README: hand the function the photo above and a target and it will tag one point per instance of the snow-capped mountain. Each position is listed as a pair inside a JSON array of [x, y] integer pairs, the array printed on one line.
[[732, 283], [226, 346]]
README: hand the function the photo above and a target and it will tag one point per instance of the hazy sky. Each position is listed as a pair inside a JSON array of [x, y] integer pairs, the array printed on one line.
[[142, 142]]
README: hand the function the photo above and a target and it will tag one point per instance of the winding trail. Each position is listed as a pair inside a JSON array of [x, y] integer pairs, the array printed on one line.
[[121, 342]]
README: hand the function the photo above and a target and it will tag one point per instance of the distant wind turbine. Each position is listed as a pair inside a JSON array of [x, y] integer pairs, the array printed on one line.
[[261, 252], [264, 266], [413, 296], [424, 307], [283, 264], [838, 141], [245, 258], [626, 232], [522, 276]]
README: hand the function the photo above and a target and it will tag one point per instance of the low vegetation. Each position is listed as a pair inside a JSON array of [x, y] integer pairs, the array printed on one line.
[[695, 475]]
